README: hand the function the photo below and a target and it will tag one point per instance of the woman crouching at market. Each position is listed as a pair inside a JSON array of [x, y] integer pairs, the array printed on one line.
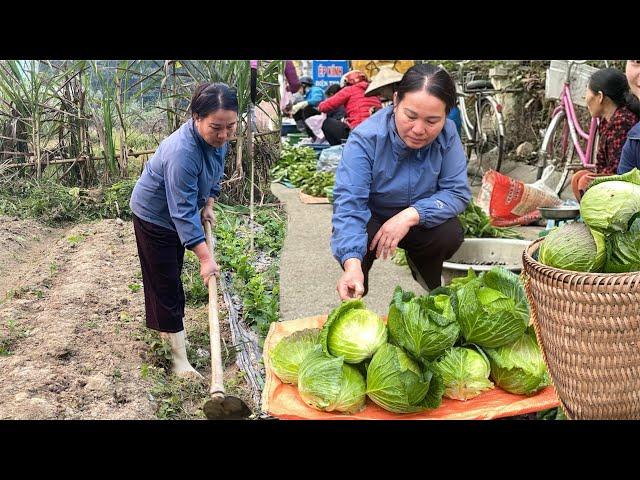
[[401, 182], [182, 177]]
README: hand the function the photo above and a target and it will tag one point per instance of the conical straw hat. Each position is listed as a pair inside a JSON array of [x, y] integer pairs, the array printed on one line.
[[386, 76]]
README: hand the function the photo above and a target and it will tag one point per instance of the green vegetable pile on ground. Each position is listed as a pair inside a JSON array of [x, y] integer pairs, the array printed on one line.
[[317, 184], [328, 192], [477, 224], [352, 360], [298, 166], [457, 341], [609, 239], [295, 165], [456, 331]]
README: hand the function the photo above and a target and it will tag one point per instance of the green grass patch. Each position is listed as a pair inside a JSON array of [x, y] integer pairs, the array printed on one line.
[[11, 338], [75, 239], [53, 203]]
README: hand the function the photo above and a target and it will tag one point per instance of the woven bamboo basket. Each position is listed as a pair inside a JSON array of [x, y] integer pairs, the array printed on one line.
[[588, 328]]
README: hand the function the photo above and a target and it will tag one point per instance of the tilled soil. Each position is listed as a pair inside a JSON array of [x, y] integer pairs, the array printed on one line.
[[74, 353], [70, 345]]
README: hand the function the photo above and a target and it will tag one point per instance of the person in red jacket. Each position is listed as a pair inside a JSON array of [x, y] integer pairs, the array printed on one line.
[[358, 107]]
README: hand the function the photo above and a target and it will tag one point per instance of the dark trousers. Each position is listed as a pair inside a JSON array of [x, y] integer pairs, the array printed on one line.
[[302, 115], [426, 248], [335, 131], [161, 255]]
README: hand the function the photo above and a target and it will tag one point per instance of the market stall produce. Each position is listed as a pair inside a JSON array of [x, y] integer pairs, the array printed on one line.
[[418, 359]]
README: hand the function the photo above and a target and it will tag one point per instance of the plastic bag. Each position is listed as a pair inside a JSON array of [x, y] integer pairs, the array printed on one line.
[[330, 158], [511, 202], [286, 100], [542, 183], [315, 124]]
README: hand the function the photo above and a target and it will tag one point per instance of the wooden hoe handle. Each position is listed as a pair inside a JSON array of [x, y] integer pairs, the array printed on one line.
[[217, 382]]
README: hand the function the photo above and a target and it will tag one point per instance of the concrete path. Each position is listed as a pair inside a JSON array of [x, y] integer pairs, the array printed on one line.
[[308, 271]]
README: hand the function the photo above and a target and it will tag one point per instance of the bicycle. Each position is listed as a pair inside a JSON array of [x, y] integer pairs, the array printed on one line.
[[485, 132], [556, 149]]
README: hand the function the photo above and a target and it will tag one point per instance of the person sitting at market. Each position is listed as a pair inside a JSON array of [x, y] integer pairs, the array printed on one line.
[[402, 182], [383, 85], [608, 97], [340, 112], [174, 195], [630, 156], [357, 107], [307, 107]]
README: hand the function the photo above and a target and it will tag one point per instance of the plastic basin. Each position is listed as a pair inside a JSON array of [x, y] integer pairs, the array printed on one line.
[[482, 254], [289, 128]]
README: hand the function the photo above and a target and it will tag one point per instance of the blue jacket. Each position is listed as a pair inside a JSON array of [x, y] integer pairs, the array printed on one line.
[[314, 96], [630, 156], [454, 115], [378, 173], [177, 181]]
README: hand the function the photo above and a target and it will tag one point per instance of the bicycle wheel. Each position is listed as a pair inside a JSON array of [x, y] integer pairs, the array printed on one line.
[[557, 149], [489, 140]]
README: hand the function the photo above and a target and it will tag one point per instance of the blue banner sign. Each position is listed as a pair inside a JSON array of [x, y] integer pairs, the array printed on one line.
[[326, 72]]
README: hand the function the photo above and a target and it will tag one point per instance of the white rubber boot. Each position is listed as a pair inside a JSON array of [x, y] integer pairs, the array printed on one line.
[[181, 366]]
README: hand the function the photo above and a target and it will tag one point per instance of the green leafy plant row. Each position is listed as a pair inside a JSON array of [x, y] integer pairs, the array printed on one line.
[[255, 274]]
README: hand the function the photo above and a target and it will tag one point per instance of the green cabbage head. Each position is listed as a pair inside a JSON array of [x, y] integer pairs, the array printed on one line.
[[623, 250], [424, 326], [519, 367], [353, 332], [493, 309], [465, 373], [610, 203], [458, 282], [574, 246], [398, 384], [289, 353], [326, 383]]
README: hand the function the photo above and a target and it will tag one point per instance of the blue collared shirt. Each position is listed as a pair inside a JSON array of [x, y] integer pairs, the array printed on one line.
[[176, 182], [379, 173]]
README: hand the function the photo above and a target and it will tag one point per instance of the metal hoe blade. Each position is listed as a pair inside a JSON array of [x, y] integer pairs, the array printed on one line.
[[230, 408]]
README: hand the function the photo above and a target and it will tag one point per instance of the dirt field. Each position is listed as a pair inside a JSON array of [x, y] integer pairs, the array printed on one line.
[[70, 344]]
